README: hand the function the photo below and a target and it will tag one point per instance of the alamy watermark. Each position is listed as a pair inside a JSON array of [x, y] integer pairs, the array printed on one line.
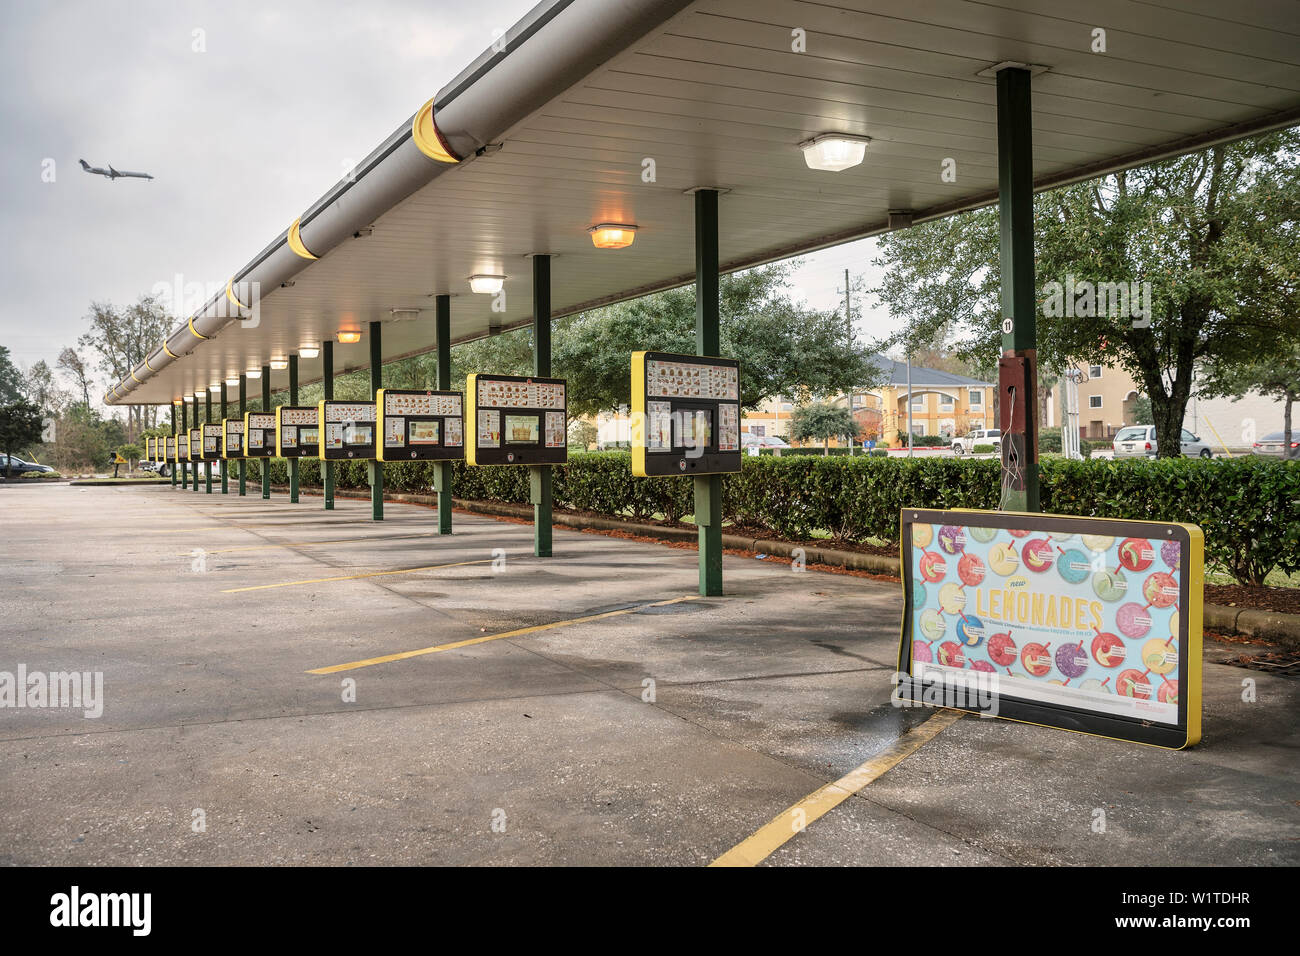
[[74, 690], [970, 690], [1086, 299]]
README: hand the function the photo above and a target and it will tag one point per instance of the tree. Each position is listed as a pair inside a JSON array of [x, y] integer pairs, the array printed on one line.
[[70, 361], [583, 434], [123, 338], [20, 426], [822, 420], [41, 389], [11, 379], [1213, 233]]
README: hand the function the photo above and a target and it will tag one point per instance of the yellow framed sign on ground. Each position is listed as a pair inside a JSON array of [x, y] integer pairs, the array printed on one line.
[[347, 430], [1086, 624], [297, 434], [685, 414], [417, 425], [516, 420], [259, 435], [232, 438]]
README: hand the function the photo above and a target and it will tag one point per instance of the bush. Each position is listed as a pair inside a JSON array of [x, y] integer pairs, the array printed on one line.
[[37, 474], [984, 449], [1248, 507]]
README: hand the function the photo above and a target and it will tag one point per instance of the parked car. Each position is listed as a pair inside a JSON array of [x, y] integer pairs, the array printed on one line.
[[763, 441], [163, 470], [1139, 441], [1272, 445], [965, 445], [12, 464]]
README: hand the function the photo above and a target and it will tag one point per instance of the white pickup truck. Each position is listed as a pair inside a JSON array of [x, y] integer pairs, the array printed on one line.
[[965, 445]]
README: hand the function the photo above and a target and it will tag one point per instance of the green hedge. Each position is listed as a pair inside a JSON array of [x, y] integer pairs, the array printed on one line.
[[1248, 507]]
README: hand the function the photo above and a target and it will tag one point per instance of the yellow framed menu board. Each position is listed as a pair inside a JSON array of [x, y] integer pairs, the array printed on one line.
[[685, 414], [516, 420], [417, 425], [297, 434], [347, 430], [232, 438], [259, 435]]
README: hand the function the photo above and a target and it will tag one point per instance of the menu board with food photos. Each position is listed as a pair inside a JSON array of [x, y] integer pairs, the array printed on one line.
[[685, 414], [232, 438], [150, 450], [516, 420], [170, 448], [196, 444], [211, 441], [259, 435], [182, 441], [297, 434], [1088, 624], [420, 425], [348, 430]]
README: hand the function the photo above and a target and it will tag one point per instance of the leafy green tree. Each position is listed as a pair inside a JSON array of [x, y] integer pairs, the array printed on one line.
[[72, 363], [822, 421], [1214, 233], [582, 435], [1141, 411], [11, 379], [20, 426]]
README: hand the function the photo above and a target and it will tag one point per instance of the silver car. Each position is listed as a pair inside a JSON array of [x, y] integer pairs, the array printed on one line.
[[1139, 441], [1272, 445]]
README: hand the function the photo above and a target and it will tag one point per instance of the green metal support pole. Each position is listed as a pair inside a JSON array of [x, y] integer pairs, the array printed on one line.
[[376, 383], [265, 463], [442, 470], [708, 488], [207, 420], [327, 467], [293, 400], [539, 476], [173, 464], [243, 407], [225, 468], [1018, 369], [184, 466]]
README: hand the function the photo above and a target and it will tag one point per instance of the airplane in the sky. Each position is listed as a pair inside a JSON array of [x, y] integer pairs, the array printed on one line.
[[112, 173]]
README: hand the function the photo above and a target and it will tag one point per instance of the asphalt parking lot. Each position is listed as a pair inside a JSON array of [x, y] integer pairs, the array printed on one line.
[[260, 706]]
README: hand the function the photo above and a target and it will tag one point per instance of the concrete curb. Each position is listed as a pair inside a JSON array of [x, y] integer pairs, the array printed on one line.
[[1247, 622]]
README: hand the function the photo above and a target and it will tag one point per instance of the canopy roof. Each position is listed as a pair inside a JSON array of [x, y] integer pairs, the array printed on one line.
[[533, 144]]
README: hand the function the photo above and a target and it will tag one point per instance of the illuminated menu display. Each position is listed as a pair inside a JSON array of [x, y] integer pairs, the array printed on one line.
[[417, 425], [685, 414], [516, 420]]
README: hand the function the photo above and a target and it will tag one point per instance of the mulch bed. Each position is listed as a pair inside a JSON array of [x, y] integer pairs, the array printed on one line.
[[1284, 600]]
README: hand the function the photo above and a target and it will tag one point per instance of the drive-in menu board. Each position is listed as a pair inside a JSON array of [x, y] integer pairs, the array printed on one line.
[[196, 444], [420, 425], [211, 441], [232, 438], [150, 450], [1087, 624], [296, 433], [259, 435], [170, 448], [347, 430], [182, 440], [516, 420], [685, 414]]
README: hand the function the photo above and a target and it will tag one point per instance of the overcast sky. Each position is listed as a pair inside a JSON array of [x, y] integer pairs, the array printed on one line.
[[228, 104]]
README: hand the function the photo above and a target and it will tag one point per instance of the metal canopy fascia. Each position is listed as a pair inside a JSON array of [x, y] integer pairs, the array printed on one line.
[[584, 89]]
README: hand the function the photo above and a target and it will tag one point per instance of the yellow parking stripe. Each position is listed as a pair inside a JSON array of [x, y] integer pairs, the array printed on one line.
[[518, 632], [775, 834], [355, 577]]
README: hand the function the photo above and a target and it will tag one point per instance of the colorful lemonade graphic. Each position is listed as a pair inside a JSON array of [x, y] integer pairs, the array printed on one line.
[[1002, 649], [1136, 554], [952, 540], [922, 535], [1110, 585], [1037, 554], [1160, 589], [1132, 620], [932, 624], [951, 655], [1037, 658], [1072, 660], [970, 569], [933, 567], [1108, 650], [1002, 559], [1074, 566], [952, 598], [970, 630], [1133, 683]]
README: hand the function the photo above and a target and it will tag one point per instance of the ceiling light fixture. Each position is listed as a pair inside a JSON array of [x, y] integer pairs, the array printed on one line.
[[233, 381], [189, 398], [214, 389], [612, 235], [279, 365], [832, 152], [403, 315], [486, 284], [349, 336], [309, 351], [254, 373]]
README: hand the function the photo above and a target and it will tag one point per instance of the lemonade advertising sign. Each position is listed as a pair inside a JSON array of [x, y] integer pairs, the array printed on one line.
[[1088, 624]]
